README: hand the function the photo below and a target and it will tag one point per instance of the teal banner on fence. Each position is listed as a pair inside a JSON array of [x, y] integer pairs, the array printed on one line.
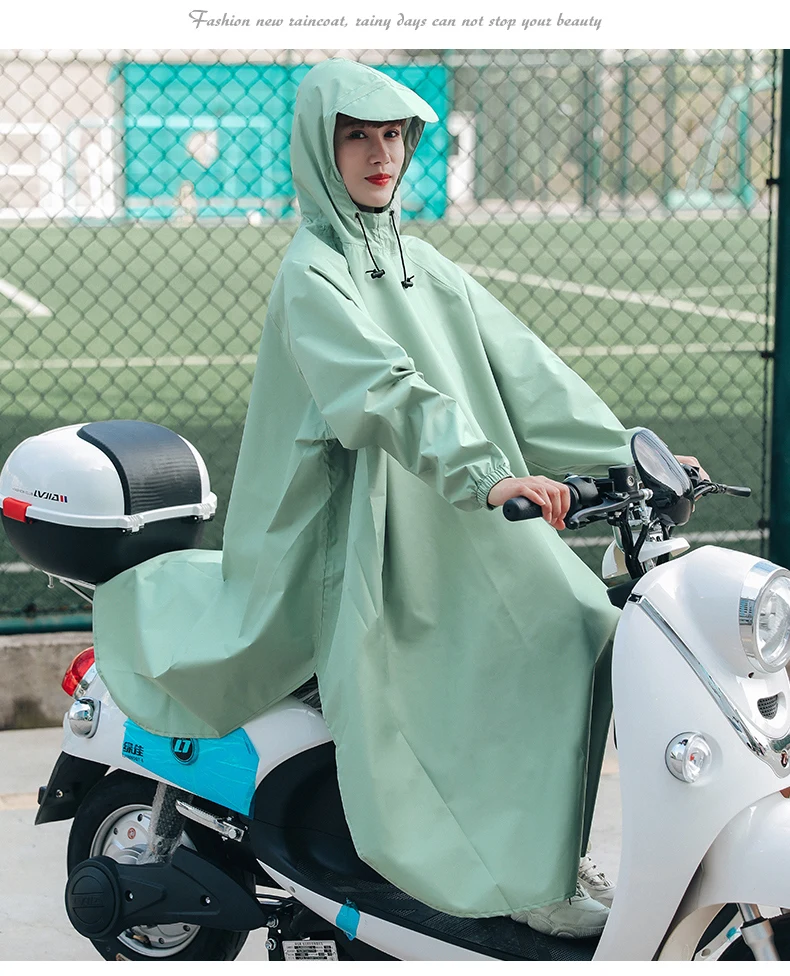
[[212, 140]]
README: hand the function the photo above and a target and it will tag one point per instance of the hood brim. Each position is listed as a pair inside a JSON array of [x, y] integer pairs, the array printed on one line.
[[384, 104]]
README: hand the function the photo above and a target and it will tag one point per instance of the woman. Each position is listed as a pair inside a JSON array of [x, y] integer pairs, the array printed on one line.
[[462, 660]]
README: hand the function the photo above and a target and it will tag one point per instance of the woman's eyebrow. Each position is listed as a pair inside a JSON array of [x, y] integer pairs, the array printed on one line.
[[367, 125]]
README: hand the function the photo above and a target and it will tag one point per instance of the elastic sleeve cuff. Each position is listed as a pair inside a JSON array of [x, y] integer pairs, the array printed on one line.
[[485, 485]]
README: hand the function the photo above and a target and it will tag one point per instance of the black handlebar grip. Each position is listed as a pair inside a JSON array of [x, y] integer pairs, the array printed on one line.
[[737, 490], [519, 508]]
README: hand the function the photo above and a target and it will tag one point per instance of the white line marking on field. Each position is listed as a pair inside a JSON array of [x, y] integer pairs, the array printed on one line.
[[729, 535], [702, 292], [119, 362], [22, 299], [645, 299], [668, 349], [565, 352]]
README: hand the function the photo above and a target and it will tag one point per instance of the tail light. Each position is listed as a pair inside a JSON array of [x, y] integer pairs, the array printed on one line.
[[77, 670]]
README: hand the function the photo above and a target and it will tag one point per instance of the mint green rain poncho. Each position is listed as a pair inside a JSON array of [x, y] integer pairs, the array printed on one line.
[[462, 659]]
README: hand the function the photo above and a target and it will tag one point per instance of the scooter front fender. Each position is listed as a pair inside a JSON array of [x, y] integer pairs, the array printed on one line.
[[750, 859], [748, 862]]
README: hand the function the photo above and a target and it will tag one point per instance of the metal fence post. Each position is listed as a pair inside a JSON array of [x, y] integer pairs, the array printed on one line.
[[779, 548], [587, 136], [670, 94], [625, 141], [744, 183]]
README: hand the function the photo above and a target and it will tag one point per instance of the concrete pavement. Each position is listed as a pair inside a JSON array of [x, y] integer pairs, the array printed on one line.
[[33, 922]]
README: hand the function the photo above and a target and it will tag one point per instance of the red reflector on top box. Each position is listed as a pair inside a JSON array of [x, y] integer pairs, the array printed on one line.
[[15, 509]]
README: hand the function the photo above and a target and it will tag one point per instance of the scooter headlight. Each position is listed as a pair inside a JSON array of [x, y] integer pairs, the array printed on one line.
[[764, 616]]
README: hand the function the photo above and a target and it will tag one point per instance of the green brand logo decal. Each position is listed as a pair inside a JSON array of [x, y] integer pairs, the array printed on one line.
[[184, 750]]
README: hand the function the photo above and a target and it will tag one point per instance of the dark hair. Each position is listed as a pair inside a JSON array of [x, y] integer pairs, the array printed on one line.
[[350, 120]]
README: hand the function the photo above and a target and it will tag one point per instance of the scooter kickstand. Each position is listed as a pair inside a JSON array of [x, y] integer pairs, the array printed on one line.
[[758, 934]]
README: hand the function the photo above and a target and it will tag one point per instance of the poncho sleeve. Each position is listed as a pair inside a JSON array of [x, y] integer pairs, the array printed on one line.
[[561, 424], [371, 395]]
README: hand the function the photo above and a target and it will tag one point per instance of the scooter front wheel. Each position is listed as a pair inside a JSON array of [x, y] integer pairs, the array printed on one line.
[[739, 951], [114, 819]]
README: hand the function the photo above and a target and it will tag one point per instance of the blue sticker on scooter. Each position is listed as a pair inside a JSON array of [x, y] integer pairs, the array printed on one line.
[[222, 770], [348, 919]]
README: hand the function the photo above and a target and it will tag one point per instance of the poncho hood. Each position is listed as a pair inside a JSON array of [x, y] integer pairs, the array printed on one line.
[[339, 86]]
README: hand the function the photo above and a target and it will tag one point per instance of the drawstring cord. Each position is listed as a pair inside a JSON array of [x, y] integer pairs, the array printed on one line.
[[376, 272], [407, 281]]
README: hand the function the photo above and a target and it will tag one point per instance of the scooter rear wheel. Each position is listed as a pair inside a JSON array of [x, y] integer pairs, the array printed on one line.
[[113, 819]]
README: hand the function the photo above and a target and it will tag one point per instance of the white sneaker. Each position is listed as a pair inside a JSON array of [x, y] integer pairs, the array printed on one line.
[[595, 882], [578, 917]]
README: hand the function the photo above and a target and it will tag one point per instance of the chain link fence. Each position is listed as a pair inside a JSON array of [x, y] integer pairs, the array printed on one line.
[[620, 203]]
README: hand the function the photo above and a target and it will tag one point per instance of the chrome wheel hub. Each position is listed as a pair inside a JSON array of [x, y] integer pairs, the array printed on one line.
[[123, 836]]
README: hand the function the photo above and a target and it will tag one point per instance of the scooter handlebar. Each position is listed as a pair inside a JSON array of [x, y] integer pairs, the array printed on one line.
[[519, 508], [584, 492]]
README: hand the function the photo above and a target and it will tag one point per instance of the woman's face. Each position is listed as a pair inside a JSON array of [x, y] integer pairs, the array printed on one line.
[[370, 157]]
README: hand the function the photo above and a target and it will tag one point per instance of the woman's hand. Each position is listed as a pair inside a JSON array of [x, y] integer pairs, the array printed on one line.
[[552, 496], [695, 463]]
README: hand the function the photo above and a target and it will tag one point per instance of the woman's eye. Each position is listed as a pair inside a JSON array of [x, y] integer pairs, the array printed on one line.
[[355, 133]]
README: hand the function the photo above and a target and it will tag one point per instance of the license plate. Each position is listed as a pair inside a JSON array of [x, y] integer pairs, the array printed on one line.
[[307, 949]]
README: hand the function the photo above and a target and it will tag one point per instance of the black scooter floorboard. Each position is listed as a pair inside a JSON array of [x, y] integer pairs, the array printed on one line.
[[299, 829]]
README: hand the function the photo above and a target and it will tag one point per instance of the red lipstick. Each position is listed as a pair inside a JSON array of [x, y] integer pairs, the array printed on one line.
[[380, 179]]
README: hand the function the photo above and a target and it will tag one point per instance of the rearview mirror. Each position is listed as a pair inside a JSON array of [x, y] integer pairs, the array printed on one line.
[[660, 470]]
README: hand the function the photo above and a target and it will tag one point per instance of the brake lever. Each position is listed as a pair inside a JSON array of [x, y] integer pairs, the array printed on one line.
[[703, 488], [712, 488], [587, 515]]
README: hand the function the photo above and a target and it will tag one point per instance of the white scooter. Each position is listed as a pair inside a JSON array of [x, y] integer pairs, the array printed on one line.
[[188, 844]]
